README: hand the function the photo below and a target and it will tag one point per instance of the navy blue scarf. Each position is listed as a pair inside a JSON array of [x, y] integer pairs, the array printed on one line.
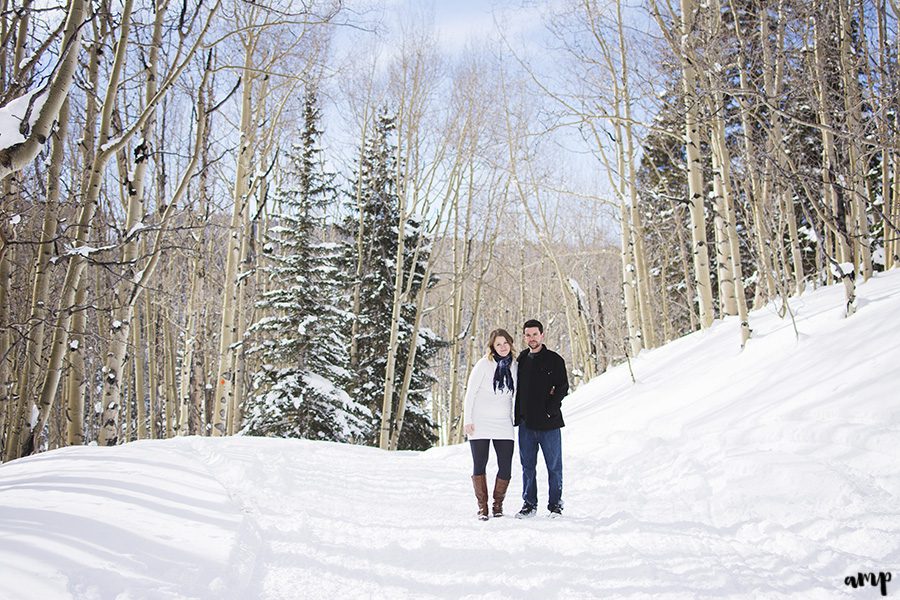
[[503, 379]]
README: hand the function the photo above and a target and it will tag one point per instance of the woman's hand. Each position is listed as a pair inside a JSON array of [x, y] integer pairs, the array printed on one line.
[[469, 428]]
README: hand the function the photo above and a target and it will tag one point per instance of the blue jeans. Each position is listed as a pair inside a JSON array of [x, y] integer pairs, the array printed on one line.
[[550, 443]]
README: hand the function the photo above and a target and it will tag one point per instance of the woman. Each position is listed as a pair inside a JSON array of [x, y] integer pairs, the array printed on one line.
[[490, 395]]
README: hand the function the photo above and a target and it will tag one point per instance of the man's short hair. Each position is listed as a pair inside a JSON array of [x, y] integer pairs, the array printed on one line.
[[533, 323]]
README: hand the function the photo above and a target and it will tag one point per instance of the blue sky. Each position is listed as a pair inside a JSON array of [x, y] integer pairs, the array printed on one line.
[[459, 21]]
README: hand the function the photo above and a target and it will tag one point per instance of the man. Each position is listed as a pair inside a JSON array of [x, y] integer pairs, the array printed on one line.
[[542, 384]]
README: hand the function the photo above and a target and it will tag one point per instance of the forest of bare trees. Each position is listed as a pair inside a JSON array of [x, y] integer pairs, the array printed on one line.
[[629, 175]]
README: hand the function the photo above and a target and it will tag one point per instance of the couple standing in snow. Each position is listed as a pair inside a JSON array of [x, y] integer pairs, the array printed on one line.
[[503, 392]]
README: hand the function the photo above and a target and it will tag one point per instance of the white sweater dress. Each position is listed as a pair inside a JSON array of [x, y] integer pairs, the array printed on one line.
[[490, 411]]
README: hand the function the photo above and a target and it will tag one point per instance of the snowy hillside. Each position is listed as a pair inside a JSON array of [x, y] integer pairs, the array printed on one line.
[[768, 473]]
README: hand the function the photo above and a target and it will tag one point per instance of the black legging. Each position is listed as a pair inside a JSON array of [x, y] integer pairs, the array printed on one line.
[[504, 450]]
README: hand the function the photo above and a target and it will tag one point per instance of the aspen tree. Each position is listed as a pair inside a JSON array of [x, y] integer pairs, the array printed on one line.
[[460, 259], [600, 328], [247, 263], [365, 115], [734, 270], [15, 157], [416, 185], [732, 296], [635, 275], [577, 327], [237, 398], [204, 369], [411, 356], [10, 194], [129, 288], [256, 25], [892, 231], [9, 416], [526, 186], [727, 299], [139, 430], [648, 325], [629, 280], [888, 88], [151, 334], [39, 313], [468, 99], [764, 204], [634, 311], [892, 208], [685, 259], [497, 204], [834, 224], [399, 298], [12, 159], [842, 251], [754, 184], [596, 55], [107, 148], [224, 383], [464, 162], [171, 394], [76, 388], [126, 291], [77, 262], [191, 415], [475, 333], [856, 164], [681, 38], [773, 77], [190, 344]]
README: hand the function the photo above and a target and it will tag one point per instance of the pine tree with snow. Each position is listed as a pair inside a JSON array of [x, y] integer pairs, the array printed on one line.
[[371, 230], [299, 388]]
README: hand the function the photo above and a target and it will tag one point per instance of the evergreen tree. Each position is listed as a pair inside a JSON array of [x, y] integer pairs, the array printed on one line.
[[377, 212], [299, 389]]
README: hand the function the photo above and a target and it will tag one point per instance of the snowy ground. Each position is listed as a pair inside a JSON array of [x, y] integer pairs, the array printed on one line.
[[768, 473]]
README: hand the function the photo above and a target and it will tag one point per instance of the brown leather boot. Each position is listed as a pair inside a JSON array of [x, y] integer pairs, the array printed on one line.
[[500, 486], [480, 484]]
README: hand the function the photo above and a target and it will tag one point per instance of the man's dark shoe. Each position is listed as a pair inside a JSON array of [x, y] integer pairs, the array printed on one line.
[[555, 511], [527, 511]]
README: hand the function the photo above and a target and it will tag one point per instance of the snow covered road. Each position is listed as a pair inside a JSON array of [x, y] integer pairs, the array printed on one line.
[[768, 473]]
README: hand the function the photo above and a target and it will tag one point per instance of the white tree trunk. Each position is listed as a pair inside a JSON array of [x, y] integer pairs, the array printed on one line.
[[76, 383], [16, 157], [858, 223], [9, 414], [224, 396], [641, 272], [77, 263], [696, 188], [735, 270], [126, 291]]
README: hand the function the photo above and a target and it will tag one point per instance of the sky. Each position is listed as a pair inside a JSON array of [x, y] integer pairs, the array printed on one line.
[[472, 19], [459, 25], [700, 470]]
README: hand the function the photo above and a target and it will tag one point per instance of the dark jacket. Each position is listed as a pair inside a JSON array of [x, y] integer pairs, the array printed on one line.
[[542, 385]]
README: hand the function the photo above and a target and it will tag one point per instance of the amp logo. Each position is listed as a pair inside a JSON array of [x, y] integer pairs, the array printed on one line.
[[863, 579]]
